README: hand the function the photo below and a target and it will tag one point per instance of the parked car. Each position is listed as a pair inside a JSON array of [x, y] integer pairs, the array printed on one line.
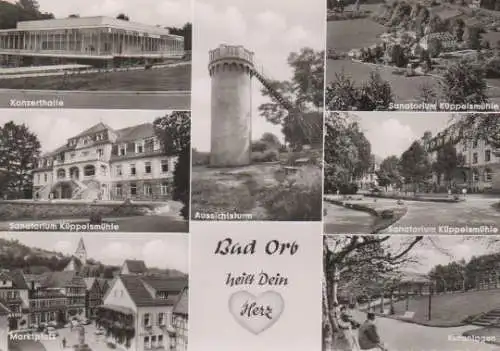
[[52, 324], [85, 321]]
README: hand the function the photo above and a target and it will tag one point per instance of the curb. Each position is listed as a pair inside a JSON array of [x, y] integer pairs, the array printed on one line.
[[451, 201], [377, 214], [424, 324]]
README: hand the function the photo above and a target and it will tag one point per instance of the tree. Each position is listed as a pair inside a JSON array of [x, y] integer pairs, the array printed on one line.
[[398, 56], [29, 5], [477, 126], [19, 149], [364, 258], [459, 29], [388, 174], [186, 32], [173, 130], [271, 140], [415, 166], [305, 94], [343, 95], [347, 151], [474, 37], [447, 161], [464, 83], [435, 47], [123, 17]]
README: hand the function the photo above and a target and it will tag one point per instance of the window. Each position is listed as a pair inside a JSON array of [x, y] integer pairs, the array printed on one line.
[[164, 188], [474, 157], [148, 190], [133, 189], [100, 153], [160, 340], [139, 147], [149, 145], [38, 178], [146, 342], [488, 175], [72, 155], [147, 167], [119, 172], [45, 177], [85, 153], [161, 319], [89, 171], [487, 155], [147, 320], [132, 170], [122, 150], [474, 144], [164, 166], [153, 341]]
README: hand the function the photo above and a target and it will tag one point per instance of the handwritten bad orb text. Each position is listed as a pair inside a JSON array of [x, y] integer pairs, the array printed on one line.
[[252, 309], [273, 247], [261, 279]]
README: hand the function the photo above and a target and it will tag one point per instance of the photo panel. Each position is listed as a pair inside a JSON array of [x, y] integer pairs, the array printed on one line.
[[264, 285], [94, 170], [415, 293], [123, 54], [412, 173], [94, 291], [412, 56], [258, 82]]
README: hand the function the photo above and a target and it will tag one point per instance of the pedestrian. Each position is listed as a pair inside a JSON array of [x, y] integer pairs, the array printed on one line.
[[64, 343], [347, 324], [449, 192], [464, 192], [368, 335]]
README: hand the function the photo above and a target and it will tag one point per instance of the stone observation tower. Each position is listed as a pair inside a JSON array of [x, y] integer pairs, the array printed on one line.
[[231, 69]]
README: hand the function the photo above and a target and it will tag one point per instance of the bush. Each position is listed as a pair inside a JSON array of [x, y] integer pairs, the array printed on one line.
[[387, 214], [298, 198], [266, 156], [95, 218], [111, 345], [259, 146], [348, 189]]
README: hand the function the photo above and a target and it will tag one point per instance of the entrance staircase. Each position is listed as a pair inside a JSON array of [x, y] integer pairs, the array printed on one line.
[[87, 190], [294, 110], [488, 319], [43, 193]]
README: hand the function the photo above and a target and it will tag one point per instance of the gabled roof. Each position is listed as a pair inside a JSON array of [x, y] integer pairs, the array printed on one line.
[[17, 278], [76, 262], [182, 305], [99, 127], [136, 266], [62, 280], [140, 131], [89, 282], [137, 290], [169, 285]]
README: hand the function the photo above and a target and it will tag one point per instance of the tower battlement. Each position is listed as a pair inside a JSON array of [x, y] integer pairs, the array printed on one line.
[[231, 52]]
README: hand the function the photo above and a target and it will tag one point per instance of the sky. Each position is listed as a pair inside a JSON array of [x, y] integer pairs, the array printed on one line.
[[166, 13], [157, 250], [445, 249], [55, 127], [391, 133], [271, 29]]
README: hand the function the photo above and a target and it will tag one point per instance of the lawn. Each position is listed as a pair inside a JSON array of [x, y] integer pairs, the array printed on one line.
[[353, 34], [450, 309], [259, 191], [405, 89], [161, 79]]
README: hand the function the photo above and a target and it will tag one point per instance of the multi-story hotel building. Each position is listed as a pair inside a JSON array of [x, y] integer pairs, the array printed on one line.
[[92, 40], [106, 164], [480, 170], [138, 311]]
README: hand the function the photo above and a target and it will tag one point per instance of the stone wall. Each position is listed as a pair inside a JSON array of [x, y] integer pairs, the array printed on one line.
[[36, 210]]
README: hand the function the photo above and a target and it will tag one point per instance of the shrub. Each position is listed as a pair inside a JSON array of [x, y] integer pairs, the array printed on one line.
[[259, 146], [298, 198], [348, 189], [387, 214], [111, 345], [266, 156]]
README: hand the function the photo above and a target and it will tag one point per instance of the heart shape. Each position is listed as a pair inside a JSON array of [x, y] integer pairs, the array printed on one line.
[[256, 313]]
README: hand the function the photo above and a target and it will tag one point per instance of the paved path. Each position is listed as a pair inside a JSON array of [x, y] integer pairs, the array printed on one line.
[[476, 211], [402, 336], [177, 100]]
